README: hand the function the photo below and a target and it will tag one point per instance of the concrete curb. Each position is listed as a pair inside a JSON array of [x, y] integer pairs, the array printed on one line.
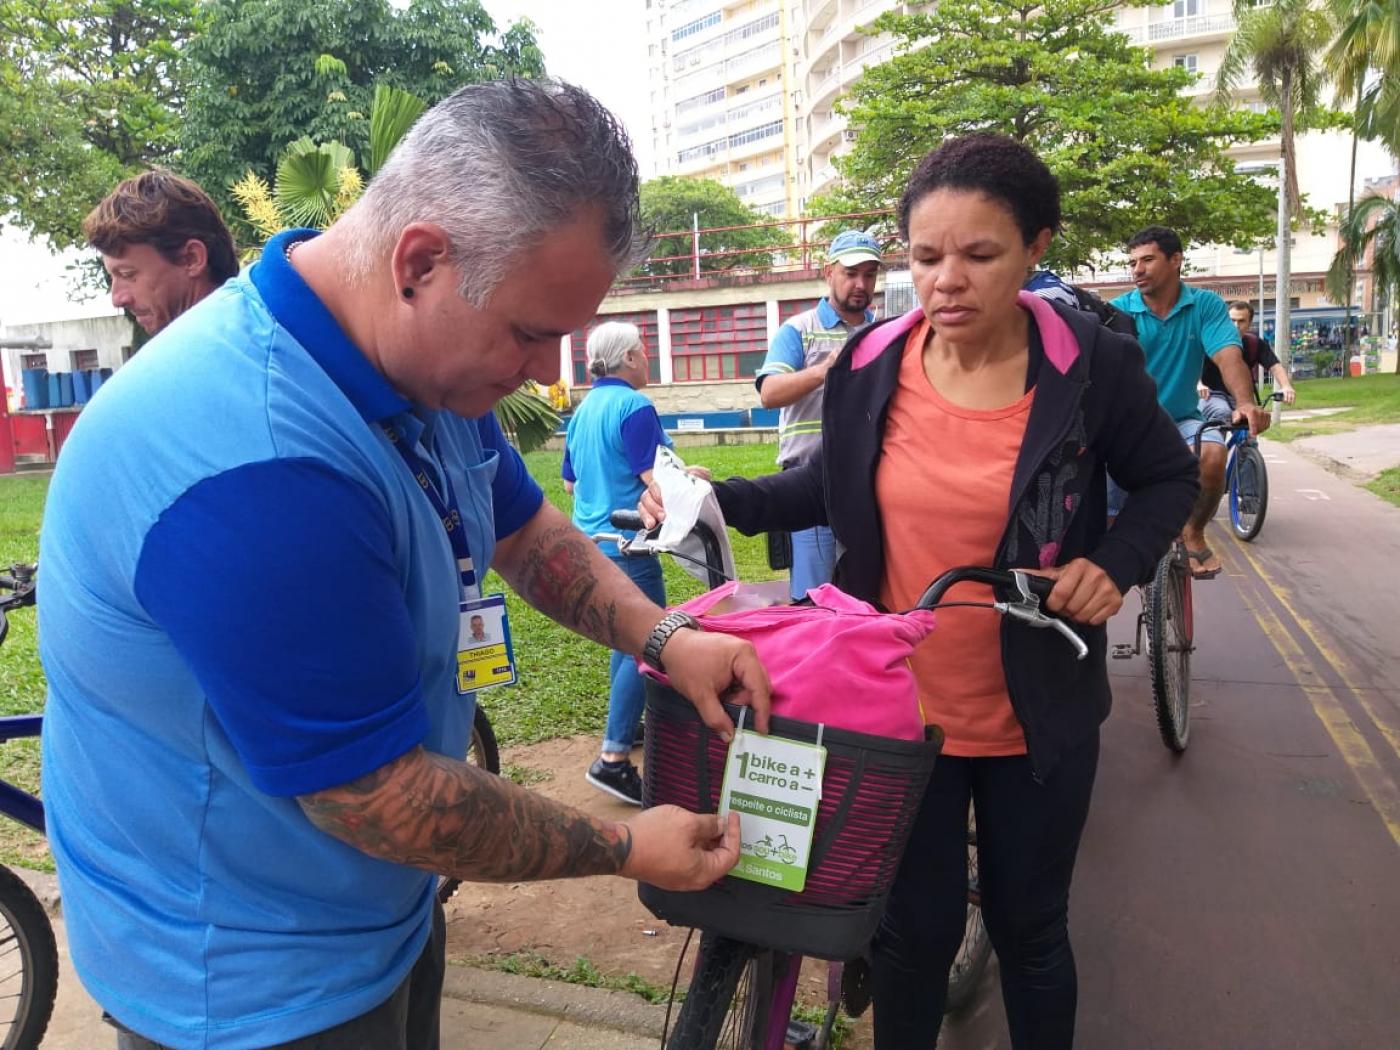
[[594, 1007]]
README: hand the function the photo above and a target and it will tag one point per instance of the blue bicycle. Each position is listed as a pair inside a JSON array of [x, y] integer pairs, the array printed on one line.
[[28, 953], [1246, 481]]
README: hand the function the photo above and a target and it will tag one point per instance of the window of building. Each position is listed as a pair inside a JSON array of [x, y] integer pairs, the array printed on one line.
[[713, 343], [698, 26], [645, 320], [1186, 8], [1187, 62], [34, 361], [83, 359]]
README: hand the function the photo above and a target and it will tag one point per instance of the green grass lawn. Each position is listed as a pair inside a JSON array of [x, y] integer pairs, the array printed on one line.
[[563, 687], [1367, 399], [21, 677], [1387, 485]]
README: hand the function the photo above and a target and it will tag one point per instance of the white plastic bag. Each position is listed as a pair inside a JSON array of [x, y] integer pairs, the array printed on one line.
[[689, 499]]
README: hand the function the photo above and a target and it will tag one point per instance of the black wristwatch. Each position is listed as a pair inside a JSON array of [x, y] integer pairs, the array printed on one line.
[[661, 634]]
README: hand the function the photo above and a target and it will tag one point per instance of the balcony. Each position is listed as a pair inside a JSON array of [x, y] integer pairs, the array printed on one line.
[[1180, 29]]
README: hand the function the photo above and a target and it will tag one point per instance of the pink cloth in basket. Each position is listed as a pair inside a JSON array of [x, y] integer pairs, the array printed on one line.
[[840, 661]]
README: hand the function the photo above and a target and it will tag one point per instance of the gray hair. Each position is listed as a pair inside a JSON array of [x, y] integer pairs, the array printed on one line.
[[498, 166], [608, 345]]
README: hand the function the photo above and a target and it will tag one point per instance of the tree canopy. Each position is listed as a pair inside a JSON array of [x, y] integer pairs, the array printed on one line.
[[1128, 148], [89, 92], [267, 73], [670, 203]]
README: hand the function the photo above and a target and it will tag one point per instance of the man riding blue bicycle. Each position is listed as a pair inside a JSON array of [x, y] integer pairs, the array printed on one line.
[[1180, 328], [1217, 403]]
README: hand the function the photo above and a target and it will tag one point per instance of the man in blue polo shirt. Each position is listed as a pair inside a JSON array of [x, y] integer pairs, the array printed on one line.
[[793, 376], [262, 548], [1180, 327]]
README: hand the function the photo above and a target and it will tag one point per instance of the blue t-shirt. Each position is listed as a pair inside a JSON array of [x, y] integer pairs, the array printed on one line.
[[611, 439], [247, 597], [1197, 327]]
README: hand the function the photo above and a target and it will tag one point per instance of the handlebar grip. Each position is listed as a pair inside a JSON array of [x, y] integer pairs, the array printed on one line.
[[626, 519]]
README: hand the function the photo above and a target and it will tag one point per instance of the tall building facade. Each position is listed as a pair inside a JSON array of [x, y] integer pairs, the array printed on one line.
[[722, 101], [745, 92]]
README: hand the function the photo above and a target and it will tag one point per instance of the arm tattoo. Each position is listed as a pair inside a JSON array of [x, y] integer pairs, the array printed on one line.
[[556, 577], [430, 812]]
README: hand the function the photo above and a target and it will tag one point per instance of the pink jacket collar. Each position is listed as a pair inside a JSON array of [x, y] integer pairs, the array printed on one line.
[[1061, 348]]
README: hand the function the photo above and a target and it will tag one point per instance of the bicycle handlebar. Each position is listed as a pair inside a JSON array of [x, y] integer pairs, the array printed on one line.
[[1027, 592]]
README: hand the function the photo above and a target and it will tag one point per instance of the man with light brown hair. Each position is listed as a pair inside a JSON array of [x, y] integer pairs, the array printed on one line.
[[164, 245]]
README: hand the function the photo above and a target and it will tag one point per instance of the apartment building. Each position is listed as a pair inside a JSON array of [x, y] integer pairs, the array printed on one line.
[[722, 98], [745, 91]]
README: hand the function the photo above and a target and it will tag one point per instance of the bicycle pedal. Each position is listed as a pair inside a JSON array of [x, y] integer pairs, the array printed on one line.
[[801, 1035], [1123, 651]]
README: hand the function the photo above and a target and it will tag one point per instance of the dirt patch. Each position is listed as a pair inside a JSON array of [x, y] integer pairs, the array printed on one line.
[[600, 919]]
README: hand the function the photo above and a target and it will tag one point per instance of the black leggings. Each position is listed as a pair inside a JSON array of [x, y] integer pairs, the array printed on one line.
[[1027, 838]]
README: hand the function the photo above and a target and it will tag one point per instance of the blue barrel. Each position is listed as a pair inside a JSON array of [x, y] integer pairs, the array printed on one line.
[[65, 389], [55, 396], [82, 388], [36, 387]]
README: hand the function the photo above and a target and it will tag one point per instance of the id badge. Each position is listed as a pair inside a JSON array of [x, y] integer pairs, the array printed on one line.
[[484, 654]]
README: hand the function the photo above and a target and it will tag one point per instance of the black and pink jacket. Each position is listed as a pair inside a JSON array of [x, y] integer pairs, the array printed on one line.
[[1095, 407]]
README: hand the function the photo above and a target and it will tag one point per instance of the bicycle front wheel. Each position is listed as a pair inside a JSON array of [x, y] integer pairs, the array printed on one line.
[[1249, 492], [483, 753], [726, 1004], [1169, 633], [28, 965]]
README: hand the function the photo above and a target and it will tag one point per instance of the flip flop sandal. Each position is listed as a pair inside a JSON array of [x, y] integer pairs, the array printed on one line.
[[1201, 556]]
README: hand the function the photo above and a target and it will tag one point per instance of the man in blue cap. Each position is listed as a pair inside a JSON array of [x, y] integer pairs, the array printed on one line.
[[794, 372]]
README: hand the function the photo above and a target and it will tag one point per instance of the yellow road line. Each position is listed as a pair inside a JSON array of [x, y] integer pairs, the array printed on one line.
[[1362, 694], [1351, 745]]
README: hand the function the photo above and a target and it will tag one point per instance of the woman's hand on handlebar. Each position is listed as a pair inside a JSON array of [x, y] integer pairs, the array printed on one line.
[[705, 667], [650, 508], [1083, 592]]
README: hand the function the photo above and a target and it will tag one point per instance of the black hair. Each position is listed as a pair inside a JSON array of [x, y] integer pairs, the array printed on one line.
[[1163, 238], [996, 166], [1243, 304]]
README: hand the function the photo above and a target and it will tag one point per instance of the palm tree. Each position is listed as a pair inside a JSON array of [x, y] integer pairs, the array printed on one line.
[[1367, 47], [1374, 226], [1281, 44], [315, 183]]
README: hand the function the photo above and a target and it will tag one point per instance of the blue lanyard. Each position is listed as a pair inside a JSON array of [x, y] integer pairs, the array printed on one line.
[[444, 504]]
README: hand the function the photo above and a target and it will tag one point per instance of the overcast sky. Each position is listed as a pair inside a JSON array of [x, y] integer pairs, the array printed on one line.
[[600, 46]]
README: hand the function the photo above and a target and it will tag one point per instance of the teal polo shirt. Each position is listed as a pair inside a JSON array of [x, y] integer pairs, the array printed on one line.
[[248, 597], [1176, 346]]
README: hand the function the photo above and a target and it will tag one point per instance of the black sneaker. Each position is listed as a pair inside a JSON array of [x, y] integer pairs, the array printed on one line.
[[619, 779]]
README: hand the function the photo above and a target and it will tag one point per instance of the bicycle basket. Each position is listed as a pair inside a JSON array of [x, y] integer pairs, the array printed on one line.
[[871, 791]]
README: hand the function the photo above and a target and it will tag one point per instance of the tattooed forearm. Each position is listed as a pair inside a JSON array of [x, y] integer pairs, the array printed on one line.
[[557, 575], [444, 816]]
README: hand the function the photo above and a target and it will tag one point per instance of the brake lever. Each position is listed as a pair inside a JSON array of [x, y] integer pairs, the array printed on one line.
[[1027, 610]]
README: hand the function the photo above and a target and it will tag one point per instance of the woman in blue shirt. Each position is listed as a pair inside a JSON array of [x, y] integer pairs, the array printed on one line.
[[608, 457]]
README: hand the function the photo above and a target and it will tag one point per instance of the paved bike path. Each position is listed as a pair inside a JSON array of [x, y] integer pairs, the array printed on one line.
[[1247, 894]]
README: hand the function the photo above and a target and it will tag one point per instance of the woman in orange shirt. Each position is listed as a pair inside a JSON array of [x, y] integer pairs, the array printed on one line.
[[977, 430]]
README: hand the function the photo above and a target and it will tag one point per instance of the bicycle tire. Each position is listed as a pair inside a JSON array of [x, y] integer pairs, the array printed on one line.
[[975, 952], [1169, 651], [28, 960], [1249, 492], [725, 998], [483, 753]]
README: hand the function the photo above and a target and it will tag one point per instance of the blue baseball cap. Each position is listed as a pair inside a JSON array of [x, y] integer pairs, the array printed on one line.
[[853, 247]]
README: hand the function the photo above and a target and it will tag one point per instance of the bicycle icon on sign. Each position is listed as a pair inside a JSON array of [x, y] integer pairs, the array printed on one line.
[[766, 847]]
